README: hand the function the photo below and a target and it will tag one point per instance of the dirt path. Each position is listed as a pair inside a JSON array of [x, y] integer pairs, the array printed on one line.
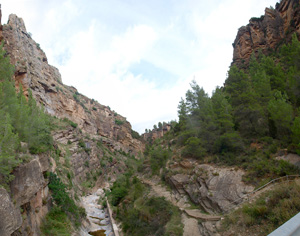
[[190, 226], [161, 191]]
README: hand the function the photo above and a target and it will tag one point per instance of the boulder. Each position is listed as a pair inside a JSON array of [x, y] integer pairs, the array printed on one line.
[[27, 182]]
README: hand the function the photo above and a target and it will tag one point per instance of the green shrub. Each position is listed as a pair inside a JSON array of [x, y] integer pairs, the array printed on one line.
[[141, 214], [63, 200], [56, 223], [194, 148], [229, 142], [158, 158], [135, 134], [151, 216], [81, 143], [74, 125], [118, 194], [76, 97], [86, 164], [119, 122]]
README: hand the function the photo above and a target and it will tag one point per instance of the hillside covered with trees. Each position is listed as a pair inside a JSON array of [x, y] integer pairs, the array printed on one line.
[[244, 124], [258, 105]]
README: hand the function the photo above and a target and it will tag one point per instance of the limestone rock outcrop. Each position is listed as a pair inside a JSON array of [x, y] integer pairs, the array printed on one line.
[[33, 72], [213, 188], [156, 133], [27, 182], [30, 193], [268, 32], [11, 218]]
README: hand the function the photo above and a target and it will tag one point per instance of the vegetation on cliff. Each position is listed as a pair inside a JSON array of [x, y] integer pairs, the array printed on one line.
[[25, 129], [59, 220], [21, 120]]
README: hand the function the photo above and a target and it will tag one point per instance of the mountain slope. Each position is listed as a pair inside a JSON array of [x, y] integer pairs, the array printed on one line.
[[44, 80]]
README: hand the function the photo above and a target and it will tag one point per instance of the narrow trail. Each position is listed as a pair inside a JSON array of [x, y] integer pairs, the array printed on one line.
[[190, 226]]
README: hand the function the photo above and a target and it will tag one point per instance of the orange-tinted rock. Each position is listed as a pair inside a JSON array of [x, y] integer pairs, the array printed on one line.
[[267, 32], [156, 133]]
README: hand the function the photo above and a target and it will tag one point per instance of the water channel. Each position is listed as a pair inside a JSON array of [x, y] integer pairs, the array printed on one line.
[[98, 217]]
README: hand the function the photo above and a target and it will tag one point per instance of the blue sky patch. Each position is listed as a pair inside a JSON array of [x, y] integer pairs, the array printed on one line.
[[150, 72]]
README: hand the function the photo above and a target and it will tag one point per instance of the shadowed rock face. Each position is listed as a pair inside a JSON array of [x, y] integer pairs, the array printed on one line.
[[214, 189], [267, 32], [10, 219], [30, 193], [44, 80]]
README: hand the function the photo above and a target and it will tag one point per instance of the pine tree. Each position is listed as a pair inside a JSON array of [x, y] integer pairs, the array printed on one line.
[[182, 114], [281, 113], [201, 117], [249, 115], [223, 111], [228, 139], [8, 145]]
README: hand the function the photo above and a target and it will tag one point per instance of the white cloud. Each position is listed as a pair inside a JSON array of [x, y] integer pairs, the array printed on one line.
[[94, 46], [134, 43]]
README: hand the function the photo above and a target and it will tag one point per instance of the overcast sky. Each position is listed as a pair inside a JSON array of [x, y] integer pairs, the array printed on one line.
[[137, 56]]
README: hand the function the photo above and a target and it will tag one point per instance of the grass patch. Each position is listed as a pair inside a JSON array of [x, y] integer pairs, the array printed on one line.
[[267, 213], [64, 201], [56, 223]]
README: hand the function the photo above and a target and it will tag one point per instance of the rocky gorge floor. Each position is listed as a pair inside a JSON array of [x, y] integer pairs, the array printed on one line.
[[99, 223]]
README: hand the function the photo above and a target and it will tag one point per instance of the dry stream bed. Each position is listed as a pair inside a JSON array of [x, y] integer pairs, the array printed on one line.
[[98, 217]]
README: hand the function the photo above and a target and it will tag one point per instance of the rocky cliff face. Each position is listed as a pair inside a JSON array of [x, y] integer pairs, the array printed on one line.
[[89, 152], [44, 80], [267, 32]]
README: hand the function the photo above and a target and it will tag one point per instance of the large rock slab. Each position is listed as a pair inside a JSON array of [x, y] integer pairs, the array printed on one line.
[[213, 188], [10, 218], [291, 158], [28, 181]]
